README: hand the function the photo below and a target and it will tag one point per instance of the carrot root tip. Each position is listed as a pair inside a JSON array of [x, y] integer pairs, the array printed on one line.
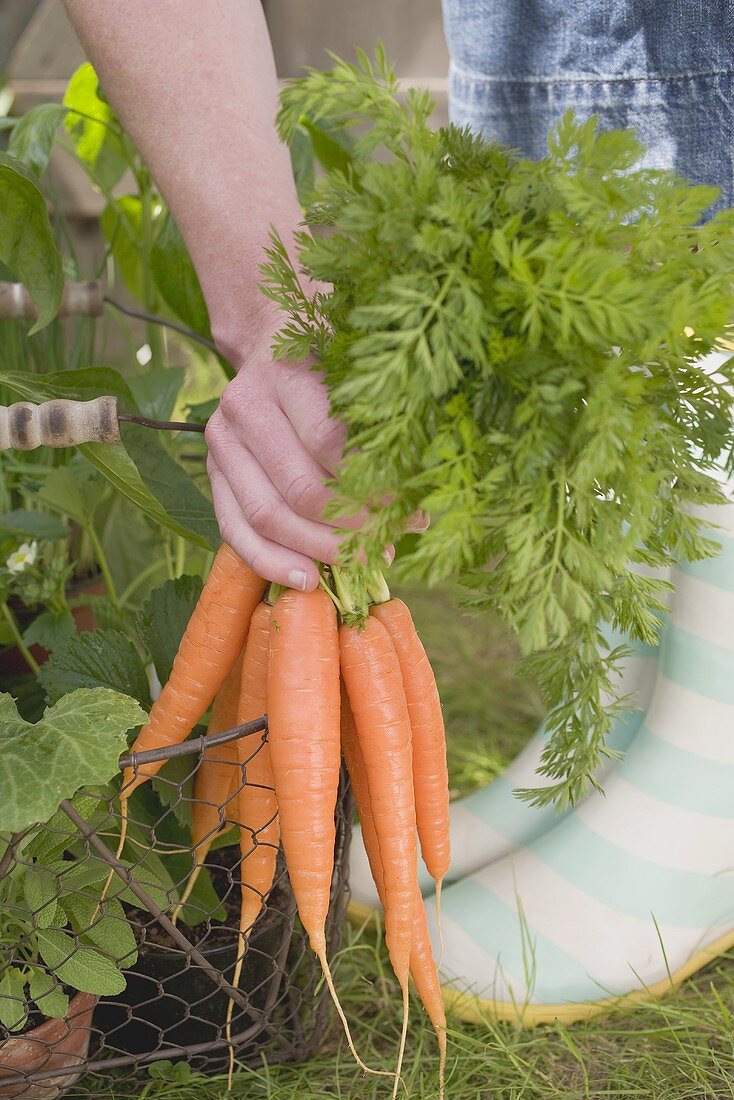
[[345, 1024], [403, 1039], [230, 1010], [439, 928]]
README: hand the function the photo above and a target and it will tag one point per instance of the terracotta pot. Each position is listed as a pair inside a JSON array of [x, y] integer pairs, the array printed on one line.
[[55, 1044]]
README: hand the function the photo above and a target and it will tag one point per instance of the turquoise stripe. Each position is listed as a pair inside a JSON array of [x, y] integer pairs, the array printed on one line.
[[718, 571], [632, 885], [551, 974], [680, 778], [499, 807], [699, 665]]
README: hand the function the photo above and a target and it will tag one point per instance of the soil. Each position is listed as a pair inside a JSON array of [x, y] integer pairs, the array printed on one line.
[[210, 934]]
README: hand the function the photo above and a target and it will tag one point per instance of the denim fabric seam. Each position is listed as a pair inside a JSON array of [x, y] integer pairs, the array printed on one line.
[[483, 78]]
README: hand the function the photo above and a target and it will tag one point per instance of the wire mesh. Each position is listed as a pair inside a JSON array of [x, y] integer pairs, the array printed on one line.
[[103, 973]]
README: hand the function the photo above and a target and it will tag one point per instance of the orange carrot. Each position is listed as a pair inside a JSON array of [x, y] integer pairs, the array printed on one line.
[[374, 684], [217, 773], [303, 722], [210, 646], [422, 966], [430, 774], [304, 736], [257, 806], [216, 777]]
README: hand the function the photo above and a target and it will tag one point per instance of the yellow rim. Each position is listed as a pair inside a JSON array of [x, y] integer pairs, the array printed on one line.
[[476, 1010], [473, 1009]]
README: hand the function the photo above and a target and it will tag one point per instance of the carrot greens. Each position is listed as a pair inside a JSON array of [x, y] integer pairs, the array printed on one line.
[[516, 347]]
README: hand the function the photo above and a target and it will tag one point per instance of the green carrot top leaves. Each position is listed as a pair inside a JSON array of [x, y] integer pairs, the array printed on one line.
[[516, 347]]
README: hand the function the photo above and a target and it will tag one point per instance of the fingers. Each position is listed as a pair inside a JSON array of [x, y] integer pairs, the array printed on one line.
[[269, 560], [269, 486], [265, 511], [304, 399], [258, 424]]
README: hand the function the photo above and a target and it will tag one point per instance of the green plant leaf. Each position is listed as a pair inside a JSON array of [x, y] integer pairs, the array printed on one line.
[[195, 514], [163, 618], [76, 385], [47, 993], [98, 658], [13, 1010], [156, 391], [142, 470], [148, 870], [59, 833], [76, 743], [115, 463], [178, 1073], [106, 615], [171, 485], [174, 785], [41, 888], [74, 490], [102, 925], [78, 965], [33, 137], [333, 148], [50, 629], [122, 222], [27, 243], [203, 903], [301, 149], [176, 278], [34, 525], [93, 129], [200, 411]]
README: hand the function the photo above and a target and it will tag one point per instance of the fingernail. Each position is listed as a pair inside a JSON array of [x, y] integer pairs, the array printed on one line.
[[297, 579], [389, 555]]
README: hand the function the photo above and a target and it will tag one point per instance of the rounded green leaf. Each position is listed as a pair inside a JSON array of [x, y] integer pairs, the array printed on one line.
[[75, 744], [33, 136], [79, 966], [27, 243]]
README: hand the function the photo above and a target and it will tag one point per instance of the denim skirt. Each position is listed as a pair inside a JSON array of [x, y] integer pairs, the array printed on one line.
[[665, 68]]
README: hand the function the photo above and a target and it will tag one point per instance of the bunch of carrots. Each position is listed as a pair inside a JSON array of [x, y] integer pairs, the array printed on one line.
[[333, 678]]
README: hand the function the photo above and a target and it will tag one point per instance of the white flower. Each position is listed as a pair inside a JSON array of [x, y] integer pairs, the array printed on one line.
[[23, 556], [144, 354]]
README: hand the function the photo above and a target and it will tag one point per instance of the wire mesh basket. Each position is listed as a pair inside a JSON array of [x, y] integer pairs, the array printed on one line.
[[98, 982]]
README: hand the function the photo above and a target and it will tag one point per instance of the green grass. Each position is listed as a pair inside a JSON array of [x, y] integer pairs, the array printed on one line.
[[680, 1048]]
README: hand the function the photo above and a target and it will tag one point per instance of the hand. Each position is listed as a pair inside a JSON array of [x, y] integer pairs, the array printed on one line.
[[272, 444]]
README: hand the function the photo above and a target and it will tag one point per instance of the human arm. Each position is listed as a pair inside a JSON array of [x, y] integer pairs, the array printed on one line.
[[195, 86]]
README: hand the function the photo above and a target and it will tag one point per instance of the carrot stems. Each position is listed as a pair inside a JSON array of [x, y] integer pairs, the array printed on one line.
[[377, 588]]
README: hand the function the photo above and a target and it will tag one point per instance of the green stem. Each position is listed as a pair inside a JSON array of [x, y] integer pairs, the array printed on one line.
[[18, 638], [377, 588], [103, 565], [137, 581], [342, 591], [154, 334], [323, 583], [558, 533], [274, 590], [180, 554]]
